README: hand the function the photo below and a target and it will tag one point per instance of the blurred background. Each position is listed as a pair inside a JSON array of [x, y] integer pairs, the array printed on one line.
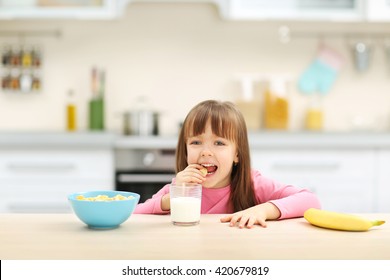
[[88, 85], [173, 54]]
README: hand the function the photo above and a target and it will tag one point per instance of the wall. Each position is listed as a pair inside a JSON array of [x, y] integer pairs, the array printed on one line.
[[180, 54]]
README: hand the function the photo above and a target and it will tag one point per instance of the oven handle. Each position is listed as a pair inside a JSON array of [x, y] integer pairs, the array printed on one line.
[[152, 178]]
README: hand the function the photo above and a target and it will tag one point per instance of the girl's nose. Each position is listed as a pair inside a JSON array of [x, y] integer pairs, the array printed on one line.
[[206, 152]]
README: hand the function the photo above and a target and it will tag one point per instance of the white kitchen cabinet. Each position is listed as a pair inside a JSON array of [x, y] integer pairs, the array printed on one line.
[[344, 180], [54, 9], [314, 10], [378, 10], [40, 179], [383, 196]]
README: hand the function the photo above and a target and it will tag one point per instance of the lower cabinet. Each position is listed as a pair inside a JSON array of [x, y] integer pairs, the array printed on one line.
[[39, 180], [344, 180], [383, 197]]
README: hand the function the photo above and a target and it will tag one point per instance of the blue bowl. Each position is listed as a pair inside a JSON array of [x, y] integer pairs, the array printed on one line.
[[103, 214]]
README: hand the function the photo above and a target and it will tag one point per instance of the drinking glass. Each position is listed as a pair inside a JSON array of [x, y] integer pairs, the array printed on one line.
[[185, 202]]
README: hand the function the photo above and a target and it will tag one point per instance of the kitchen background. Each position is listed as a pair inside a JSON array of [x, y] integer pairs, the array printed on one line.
[[166, 56], [177, 54]]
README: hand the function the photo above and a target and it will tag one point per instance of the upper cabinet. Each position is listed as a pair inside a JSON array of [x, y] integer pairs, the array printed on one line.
[[313, 10], [378, 10], [305, 10], [61, 9]]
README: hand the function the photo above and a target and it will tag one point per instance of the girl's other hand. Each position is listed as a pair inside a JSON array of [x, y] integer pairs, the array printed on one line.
[[245, 218], [191, 174], [256, 215]]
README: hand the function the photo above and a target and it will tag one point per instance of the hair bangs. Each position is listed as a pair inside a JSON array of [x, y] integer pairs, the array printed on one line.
[[222, 121], [223, 124]]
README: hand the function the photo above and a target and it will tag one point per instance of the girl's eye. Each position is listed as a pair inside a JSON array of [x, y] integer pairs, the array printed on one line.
[[219, 143], [195, 142]]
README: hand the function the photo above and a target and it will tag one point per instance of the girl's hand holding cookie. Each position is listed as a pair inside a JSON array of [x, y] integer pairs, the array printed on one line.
[[193, 173]]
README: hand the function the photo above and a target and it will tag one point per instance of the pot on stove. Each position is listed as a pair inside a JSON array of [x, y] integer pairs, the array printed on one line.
[[141, 123]]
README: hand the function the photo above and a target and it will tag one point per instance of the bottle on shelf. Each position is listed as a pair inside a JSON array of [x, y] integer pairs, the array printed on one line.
[[15, 80], [276, 104], [26, 55], [36, 81], [314, 114], [248, 104], [36, 57], [6, 55], [15, 56], [6, 80], [25, 81], [96, 104], [71, 112], [20, 68]]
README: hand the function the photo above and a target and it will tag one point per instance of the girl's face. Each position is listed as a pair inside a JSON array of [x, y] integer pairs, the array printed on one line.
[[215, 153]]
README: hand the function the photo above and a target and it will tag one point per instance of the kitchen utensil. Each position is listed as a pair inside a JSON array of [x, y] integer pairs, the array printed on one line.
[[141, 122], [362, 54]]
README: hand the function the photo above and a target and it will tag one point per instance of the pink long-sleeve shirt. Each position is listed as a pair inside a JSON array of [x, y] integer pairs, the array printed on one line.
[[291, 201]]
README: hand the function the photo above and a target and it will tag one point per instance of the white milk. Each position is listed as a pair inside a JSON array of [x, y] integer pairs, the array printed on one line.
[[185, 209]]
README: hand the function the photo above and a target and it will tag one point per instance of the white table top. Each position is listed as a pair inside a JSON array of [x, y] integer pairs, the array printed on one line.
[[63, 236]]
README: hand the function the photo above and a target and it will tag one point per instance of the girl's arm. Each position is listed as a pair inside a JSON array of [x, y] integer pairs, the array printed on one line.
[[155, 204], [291, 201], [160, 202], [277, 201]]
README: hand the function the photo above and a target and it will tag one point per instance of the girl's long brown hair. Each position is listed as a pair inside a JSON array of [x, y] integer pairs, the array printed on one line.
[[227, 122]]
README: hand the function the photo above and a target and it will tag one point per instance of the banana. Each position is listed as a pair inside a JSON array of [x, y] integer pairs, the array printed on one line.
[[339, 221], [204, 171]]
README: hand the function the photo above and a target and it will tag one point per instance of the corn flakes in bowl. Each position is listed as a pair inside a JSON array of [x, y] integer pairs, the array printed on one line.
[[103, 209]]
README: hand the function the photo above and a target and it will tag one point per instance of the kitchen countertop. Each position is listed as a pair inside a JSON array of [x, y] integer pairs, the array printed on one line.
[[275, 139], [57, 139], [146, 142], [343, 140], [63, 236], [266, 139]]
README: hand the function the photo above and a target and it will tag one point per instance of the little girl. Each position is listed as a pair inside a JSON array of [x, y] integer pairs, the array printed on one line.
[[214, 137]]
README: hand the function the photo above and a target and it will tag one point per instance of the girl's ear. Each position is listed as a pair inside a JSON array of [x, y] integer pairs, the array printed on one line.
[[236, 159]]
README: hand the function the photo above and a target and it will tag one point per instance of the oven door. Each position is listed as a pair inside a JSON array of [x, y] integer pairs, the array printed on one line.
[[144, 182]]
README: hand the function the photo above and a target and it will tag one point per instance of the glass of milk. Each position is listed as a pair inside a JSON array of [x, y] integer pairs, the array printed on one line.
[[185, 204]]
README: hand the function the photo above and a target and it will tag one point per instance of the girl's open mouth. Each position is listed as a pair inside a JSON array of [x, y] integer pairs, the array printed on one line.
[[211, 168]]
